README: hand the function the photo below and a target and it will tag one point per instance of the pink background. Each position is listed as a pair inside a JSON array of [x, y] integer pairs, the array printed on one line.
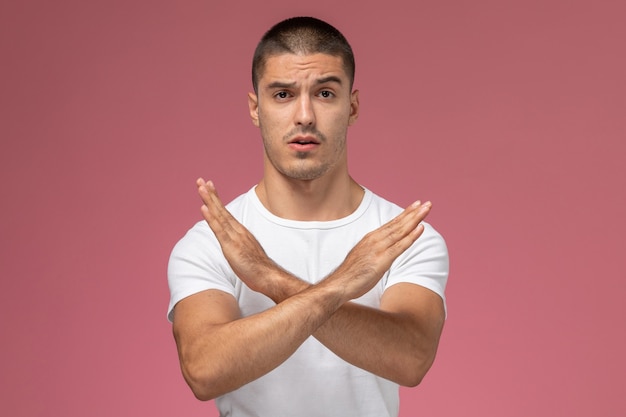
[[508, 115]]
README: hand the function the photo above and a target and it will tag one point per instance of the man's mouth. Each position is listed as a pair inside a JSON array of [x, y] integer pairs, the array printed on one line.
[[305, 141]]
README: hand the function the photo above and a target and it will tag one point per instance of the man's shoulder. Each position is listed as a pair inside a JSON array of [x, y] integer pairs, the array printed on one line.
[[387, 210], [381, 207], [240, 204]]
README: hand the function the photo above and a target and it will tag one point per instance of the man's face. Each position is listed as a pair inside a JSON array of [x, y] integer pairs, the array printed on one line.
[[304, 107]]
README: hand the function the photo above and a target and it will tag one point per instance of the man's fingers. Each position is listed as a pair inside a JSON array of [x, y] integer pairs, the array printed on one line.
[[399, 246], [208, 192], [404, 230], [214, 212], [406, 222], [400, 233], [225, 227]]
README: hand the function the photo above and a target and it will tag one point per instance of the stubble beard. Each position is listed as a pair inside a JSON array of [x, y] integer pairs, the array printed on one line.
[[301, 169]]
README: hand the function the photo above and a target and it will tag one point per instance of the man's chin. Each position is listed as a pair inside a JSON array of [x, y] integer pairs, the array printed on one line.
[[306, 173]]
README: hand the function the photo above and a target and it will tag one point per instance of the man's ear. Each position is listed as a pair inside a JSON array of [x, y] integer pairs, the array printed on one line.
[[253, 105], [354, 107]]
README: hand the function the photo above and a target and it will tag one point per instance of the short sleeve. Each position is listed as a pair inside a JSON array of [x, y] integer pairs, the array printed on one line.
[[197, 264], [425, 263]]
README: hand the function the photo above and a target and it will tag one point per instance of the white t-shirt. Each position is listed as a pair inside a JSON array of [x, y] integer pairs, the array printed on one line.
[[313, 381]]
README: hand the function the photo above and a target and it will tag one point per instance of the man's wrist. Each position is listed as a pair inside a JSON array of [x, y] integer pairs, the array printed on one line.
[[285, 285]]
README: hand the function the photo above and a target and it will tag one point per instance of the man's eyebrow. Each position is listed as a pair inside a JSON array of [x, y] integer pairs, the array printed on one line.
[[282, 84], [329, 79]]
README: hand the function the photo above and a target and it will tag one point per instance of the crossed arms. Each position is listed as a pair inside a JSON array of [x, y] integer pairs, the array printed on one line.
[[397, 342]]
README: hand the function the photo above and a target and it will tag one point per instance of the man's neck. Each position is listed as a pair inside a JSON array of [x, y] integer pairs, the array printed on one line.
[[310, 200]]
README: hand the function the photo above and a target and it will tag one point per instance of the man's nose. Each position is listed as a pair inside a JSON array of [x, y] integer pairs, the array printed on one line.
[[305, 115]]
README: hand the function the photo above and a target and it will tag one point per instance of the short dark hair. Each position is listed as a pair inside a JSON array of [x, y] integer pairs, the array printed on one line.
[[304, 35]]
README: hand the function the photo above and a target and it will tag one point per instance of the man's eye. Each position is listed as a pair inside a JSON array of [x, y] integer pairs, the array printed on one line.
[[281, 95], [326, 94]]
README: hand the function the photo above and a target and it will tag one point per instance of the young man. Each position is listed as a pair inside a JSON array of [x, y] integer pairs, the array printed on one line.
[[308, 295]]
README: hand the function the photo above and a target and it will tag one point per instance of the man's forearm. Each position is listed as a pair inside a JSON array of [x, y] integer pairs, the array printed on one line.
[[390, 345], [218, 358], [386, 344]]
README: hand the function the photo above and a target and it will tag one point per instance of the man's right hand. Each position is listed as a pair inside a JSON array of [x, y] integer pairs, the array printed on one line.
[[243, 252]]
